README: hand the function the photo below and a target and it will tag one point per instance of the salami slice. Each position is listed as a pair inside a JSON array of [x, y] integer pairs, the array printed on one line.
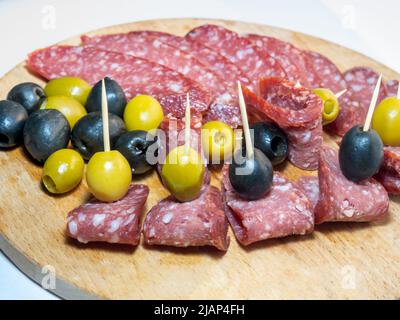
[[116, 222], [157, 48], [200, 222], [322, 72], [389, 175], [343, 200], [290, 58], [297, 111], [310, 187], [392, 87], [254, 62], [354, 104], [390, 179], [284, 211], [135, 75]]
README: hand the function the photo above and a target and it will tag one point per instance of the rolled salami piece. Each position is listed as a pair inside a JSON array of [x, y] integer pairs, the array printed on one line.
[[343, 200], [284, 211], [200, 222], [116, 222], [297, 110], [310, 186]]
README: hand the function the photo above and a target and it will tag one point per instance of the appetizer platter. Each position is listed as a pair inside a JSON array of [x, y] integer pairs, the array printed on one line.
[[192, 158]]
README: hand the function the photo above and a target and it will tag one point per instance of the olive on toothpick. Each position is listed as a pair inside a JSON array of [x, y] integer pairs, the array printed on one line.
[[361, 150], [250, 176]]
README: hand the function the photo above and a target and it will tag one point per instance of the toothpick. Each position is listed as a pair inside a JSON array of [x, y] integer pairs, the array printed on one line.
[[398, 91], [104, 115], [339, 94], [242, 105], [372, 106], [187, 124]]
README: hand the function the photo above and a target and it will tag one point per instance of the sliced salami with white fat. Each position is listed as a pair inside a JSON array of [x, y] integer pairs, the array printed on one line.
[[392, 88], [322, 72], [254, 62], [343, 200], [297, 110], [200, 222], [135, 75], [116, 222], [354, 104], [389, 174], [310, 186], [284, 211]]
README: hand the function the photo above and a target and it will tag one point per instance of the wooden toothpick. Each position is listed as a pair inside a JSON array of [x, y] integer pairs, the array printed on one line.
[[398, 91], [187, 123], [339, 94], [104, 115], [242, 105], [372, 106]]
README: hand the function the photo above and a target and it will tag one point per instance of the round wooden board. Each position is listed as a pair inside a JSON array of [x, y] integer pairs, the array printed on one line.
[[341, 260]]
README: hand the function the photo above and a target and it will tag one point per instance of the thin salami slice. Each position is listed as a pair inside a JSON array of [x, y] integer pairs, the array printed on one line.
[[135, 75], [200, 222], [290, 58], [343, 200], [116, 222], [310, 187], [354, 104], [389, 175], [284, 211], [390, 179], [392, 88], [297, 111], [157, 48], [322, 72], [254, 62]]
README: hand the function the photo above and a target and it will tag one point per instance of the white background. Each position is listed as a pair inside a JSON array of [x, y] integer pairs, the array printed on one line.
[[369, 26]]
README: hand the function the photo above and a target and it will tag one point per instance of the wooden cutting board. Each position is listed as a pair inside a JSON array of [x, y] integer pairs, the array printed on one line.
[[339, 260]]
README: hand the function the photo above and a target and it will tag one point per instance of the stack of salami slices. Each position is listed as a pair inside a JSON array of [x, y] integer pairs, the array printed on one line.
[[278, 81]]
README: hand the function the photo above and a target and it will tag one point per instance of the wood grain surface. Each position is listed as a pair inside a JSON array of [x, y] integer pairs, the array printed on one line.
[[339, 260]]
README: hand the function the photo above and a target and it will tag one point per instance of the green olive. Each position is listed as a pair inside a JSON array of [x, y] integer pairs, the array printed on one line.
[[183, 173], [386, 121], [69, 107], [217, 141], [331, 105], [62, 171], [108, 176], [143, 113], [73, 87]]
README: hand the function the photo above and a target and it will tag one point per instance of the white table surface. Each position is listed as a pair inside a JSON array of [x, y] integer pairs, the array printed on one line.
[[368, 26]]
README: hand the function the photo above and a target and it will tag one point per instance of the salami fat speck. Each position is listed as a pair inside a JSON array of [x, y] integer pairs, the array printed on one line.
[[297, 111], [200, 222], [354, 104], [135, 75], [116, 222], [310, 186], [284, 211], [343, 200], [389, 174], [392, 88]]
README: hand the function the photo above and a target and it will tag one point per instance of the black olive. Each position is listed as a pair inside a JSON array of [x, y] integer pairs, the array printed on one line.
[[271, 140], [115, 97], [28, 94], [12, 121], [251, 177], [133, 145], [87, 134], [360, 154], [45, 132]]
